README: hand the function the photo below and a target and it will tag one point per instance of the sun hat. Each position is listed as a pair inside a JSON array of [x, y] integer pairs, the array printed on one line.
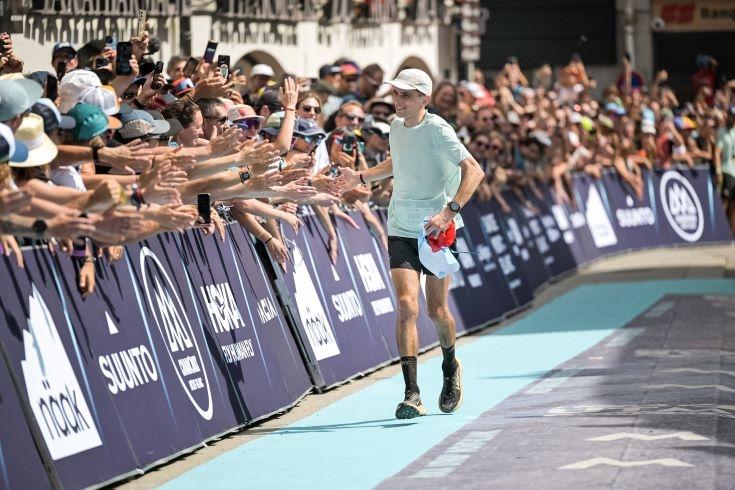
[[308, 127], [73, 85], [413, 79], [17, 96], [239, 111], [11, 149], [41, 150]]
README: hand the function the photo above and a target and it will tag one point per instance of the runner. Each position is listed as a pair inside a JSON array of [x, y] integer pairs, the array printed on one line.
[[434, 176]]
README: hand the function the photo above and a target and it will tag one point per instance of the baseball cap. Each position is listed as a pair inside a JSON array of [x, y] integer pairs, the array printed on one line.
[[413, 79], [262, 69], [378, 127], [326, 70], [308, 127], [48, 112], [63, 46], [269, 98], [273, 124], [140, 123], [41, 150], [239, 111], [175, 125], [88, 121], [104, 99], [10, 149], [182, 86], [73, 85], [17, 96], [349, 68]]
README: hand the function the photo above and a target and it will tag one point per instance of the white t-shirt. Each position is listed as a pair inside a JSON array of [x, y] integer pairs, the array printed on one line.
[[68, 177], [426, 173]]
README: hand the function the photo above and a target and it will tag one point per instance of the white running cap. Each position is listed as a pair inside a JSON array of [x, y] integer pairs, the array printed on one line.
[[413, 79]]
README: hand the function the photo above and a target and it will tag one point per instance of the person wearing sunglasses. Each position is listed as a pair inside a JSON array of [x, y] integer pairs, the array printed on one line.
[[214, 114], [367, 85], [244, 117], [308, 106], [350, 116]]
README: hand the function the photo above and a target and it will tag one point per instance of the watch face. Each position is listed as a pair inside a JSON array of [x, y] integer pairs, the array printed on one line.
[[244, 176], [454, 207]]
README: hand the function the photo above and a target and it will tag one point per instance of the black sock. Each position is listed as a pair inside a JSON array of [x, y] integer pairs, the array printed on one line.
[[448, 364], [408, 365]]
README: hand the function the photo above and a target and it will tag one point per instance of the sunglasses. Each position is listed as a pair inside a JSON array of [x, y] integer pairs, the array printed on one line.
[[248, 124], [354, 117], [312, 138], [380, 114], [350, 79], [218, 120], [311, 108], [479, 144]]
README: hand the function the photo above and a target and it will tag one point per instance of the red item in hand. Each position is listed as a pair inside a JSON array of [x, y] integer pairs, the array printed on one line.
[[443, 239]]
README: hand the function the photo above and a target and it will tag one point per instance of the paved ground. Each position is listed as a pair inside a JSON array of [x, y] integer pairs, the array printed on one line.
[[591, 360]]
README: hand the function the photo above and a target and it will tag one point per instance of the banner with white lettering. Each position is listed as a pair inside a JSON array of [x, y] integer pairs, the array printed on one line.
[[491, 290], [57, 371], [592, 201], [689, 208], [243, 323], [326, 307], [495, 233], [559, 258], [20, 463], [200, 392], [517, 231]]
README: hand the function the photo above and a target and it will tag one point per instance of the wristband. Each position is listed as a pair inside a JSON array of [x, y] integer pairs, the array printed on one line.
[[96, 154], [267, 241], [290, 109], [362, 180]]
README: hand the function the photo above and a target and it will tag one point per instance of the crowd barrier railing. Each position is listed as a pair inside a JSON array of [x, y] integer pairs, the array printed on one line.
[[187, 337]]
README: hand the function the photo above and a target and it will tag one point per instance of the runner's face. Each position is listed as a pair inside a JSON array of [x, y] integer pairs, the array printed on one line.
[[408, 103]]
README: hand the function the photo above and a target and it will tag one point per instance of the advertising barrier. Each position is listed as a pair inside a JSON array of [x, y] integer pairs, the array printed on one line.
[[188, 336]]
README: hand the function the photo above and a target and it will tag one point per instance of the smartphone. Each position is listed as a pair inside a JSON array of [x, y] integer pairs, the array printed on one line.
[[3, 37], [124, 53], [223, 62], [157, 71], [111, 42], [209, 52], [101, 62], [204, 205], [142, 14], [60, 69], [190, 66]]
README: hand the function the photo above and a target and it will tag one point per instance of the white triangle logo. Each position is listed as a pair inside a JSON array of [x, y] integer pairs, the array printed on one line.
[[110, 324]]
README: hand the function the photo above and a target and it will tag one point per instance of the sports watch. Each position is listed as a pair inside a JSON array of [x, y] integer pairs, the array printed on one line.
[[454, 206], [244, 175], [39, 227]]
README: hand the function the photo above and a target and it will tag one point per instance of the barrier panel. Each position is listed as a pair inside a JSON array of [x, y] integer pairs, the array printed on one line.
[[186, 337], [160, 358]]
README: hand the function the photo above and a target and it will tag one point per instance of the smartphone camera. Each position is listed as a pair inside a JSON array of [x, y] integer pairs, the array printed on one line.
[[204, 205]]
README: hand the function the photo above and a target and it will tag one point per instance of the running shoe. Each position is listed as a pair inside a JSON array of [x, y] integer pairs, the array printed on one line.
[[410, 407], [451, 396]]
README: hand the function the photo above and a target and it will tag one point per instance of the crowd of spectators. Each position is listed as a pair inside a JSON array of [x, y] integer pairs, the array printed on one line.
[[103, 151]]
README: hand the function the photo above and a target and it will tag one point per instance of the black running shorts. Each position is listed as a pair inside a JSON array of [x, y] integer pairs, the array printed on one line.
[[403, 253]]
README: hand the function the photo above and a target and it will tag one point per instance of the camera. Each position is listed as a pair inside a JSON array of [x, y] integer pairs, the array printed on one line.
[[349, 142]]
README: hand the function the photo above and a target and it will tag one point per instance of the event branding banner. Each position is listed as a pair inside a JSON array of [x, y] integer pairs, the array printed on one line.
[[185, 338]]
